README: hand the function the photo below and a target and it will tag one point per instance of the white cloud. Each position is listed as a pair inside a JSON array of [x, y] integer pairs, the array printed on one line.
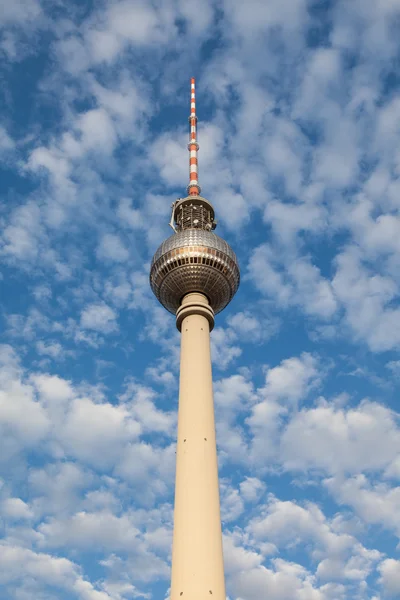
[[390, 576], [252, 489], [238, 558], [296, 282], [170, 155], [73, 424], [20, 12], [52, 160], [27, 568], [273, 281], [284, 151], [140, 401], [17, 401], [286, 580], [374, 503], [15, 508], [85, 530], [339, 440], [323, 69], [289, 219], [258, 18], [42, 293], [97, 433], [251, 328], [149, 468], [339, 555], [142, 567], [56, 488], [130, 217], [233, 394], [97, 131], [111, 248], [99, 317], [232, 207], [161, 374], [125, 103], [54, 350], [21, 237], [28, 326], [224, 348], [367, 298], [232, 505], [285, 386], [6, 142], [108, 33], [199, 24], [52, 388], [292, 379]]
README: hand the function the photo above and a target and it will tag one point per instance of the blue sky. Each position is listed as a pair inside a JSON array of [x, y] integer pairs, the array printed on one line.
[[299, 131]]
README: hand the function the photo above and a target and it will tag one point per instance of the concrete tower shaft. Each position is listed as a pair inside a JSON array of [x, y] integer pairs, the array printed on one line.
[[197, 556]]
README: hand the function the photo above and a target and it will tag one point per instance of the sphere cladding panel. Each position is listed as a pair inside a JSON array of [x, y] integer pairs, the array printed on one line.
[[194, 260]]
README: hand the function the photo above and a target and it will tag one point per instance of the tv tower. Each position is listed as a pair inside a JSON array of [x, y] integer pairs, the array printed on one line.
[[195, 274]]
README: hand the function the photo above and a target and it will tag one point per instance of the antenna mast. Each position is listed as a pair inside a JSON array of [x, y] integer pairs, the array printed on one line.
[[193, 188], [194, 211]]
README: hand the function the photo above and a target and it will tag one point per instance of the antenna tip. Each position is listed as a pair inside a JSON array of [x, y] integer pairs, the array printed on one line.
[[192, 80]]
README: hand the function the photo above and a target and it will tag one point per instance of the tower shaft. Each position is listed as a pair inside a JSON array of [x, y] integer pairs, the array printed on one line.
[[197, 556]]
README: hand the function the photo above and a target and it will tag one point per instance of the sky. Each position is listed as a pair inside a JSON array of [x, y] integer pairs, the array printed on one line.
[[299, 133]]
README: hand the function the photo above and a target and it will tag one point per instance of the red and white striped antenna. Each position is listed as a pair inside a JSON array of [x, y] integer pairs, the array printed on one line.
[[192, 212], [193, 188]]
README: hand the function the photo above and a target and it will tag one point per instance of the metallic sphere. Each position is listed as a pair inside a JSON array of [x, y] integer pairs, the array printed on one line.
[[194, 260]]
